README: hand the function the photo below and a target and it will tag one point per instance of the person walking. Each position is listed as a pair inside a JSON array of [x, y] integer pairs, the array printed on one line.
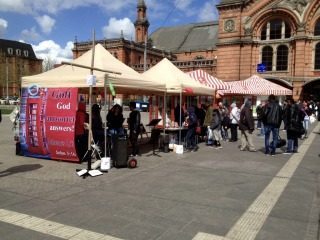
[[272, 121], [235, 117], [134, 128], [246, 125]]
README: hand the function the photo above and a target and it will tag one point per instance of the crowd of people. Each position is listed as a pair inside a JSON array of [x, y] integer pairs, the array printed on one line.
[[115, 127], [212, 125], [216, 123]]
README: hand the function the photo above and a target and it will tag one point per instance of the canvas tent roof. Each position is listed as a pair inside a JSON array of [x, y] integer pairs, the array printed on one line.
[[72, 76], [256, 85], [164, 72], [207, 79]]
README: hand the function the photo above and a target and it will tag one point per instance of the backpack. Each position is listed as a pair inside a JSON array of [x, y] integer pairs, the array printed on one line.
[[260, 113], [193, 118]]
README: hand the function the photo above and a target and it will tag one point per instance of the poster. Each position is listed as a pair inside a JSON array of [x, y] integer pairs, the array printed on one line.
[[47, 119]]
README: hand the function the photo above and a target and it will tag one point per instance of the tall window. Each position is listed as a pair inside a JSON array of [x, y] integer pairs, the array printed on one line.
[[275, 29], [282, 58], [317, 57], [267, 53], [317, 28]]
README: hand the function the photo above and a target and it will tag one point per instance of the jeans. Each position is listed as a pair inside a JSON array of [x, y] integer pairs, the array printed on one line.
[[275, 133], [306, 122], [292, 145], [190, 138]]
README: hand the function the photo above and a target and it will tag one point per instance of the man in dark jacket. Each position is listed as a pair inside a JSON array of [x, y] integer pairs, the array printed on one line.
[[246, 125], [134, 128], [191, 133], [272, 121], [293, 118]]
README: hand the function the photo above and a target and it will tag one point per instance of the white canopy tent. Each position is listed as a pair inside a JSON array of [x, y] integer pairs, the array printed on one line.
[[72, 76], [174, 80]]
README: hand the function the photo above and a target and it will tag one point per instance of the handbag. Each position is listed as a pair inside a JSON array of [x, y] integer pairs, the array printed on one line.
[[280, 143], [198, 130]]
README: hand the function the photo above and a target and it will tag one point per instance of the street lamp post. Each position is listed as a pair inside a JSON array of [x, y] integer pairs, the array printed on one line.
[[7, 80]]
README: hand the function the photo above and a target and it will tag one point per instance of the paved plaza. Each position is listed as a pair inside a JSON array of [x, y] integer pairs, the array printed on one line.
[[211, 194]]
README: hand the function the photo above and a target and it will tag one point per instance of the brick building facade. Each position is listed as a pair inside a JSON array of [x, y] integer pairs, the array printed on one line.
[[284, 35], [189, 47], [16, 60]]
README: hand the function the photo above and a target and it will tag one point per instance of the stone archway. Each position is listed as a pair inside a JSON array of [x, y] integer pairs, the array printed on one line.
[[311, 90]]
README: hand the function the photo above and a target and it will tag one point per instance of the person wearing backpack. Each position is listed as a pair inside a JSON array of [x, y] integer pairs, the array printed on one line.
[[191, 133]]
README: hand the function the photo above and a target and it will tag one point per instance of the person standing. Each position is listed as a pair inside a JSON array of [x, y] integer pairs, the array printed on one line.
[[207, 123], [191, 133], [216, 128], [272, 121], [115, 120], [293, 119], [134, 128], [225, 120], [0, 116], [246, 125], [97, 128], [81, 134], [306, 118], [179, 115], [235, 117]]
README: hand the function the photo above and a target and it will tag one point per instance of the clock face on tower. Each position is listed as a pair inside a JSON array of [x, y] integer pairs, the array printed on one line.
[[229, 25]]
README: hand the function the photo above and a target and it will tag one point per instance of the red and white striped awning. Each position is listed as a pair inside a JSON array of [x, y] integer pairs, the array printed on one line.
[[256, 85], [208, 80]]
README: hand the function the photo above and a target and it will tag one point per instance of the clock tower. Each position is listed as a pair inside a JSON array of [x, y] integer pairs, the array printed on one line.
[[142, 23]]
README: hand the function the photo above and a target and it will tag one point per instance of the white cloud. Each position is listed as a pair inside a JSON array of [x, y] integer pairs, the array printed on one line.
[[30, 35], [3, 27], [208, 12], [46, 23], [50, 50], [45, 6], [183, 5], [114, 27]]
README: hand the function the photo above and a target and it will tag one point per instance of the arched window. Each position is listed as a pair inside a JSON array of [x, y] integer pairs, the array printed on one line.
[[282, 58], [275, 29], [267, 53], [317, 28], [317, 57]]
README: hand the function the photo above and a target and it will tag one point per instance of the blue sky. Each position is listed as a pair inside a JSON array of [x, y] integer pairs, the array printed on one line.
[[51, 25]]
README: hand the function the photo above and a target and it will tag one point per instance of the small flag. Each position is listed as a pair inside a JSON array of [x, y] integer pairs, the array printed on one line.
[[113, 92]]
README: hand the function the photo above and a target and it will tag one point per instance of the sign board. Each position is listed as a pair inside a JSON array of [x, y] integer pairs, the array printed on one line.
[[47, 119], [261, 67]]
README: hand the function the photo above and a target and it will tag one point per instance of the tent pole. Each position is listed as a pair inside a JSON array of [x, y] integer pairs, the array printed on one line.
[[90, 103], [180, 123], [105, 114]]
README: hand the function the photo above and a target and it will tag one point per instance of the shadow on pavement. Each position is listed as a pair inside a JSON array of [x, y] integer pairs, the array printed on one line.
[[20, 169]]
